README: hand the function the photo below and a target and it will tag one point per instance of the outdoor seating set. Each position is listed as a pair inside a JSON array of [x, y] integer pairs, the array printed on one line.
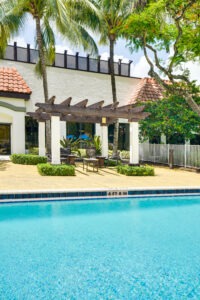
[[89, 163], [67, 156]]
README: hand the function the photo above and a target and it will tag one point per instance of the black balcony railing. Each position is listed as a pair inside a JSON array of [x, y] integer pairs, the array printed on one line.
[[68, 61]]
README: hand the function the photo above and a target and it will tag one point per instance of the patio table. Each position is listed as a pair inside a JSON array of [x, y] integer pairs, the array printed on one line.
[[91, 162]]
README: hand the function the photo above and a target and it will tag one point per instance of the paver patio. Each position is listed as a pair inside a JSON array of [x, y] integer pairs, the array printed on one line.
[[22, 177]]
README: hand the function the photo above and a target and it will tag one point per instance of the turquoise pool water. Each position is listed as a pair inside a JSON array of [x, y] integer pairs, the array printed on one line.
[[104, 249]]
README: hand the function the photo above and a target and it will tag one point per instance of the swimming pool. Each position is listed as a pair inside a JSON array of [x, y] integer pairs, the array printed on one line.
[[145, 248]]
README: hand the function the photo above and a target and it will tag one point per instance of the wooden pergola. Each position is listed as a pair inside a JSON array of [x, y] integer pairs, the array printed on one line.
[[81, 112]]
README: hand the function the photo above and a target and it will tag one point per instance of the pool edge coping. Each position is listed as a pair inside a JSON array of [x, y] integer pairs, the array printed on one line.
[[98, 189], [17, 196]]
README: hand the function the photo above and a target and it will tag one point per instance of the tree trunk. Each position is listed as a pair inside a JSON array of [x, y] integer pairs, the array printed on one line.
[[44, 78], [193, 105], [114, 94]]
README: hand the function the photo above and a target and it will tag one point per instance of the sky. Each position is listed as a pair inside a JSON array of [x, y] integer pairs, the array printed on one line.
[[139, 66]]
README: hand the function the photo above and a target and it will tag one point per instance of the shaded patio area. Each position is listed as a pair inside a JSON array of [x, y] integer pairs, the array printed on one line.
[[22, 177]]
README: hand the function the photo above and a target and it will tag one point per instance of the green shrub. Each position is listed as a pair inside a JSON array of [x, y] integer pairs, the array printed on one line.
[[56, 170], [33, 150], [124, 154], [28, 159], [135, 171], [111, 162]]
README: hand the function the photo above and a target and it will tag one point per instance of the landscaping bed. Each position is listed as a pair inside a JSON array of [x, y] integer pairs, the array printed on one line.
[[135, 171], [56, 170], [28, 159]]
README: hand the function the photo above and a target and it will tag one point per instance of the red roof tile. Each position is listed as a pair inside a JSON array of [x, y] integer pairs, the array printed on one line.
[[147, 90], [11, 81]]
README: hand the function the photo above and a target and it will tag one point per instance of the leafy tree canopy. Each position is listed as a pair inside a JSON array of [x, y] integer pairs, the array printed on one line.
[[169, 116], [172, 26], [163, 21]]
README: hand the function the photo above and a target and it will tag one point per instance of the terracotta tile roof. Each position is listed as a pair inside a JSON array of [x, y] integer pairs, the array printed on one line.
[[11, 81], [147, 90]]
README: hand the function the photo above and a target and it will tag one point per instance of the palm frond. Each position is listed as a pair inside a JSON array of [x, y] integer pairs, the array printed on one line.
[[48, 38], [10, 24]]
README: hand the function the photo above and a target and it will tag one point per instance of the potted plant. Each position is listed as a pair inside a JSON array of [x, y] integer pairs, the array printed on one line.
[[70, 146], [93, 146]]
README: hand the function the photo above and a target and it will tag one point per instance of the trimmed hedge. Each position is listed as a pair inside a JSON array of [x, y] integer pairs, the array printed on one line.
[[112, 162], [136, 171], [56, 170], [28, 159], [33, 150]]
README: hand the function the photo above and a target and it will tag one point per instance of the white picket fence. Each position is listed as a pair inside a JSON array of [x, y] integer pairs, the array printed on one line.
[[183, 155]]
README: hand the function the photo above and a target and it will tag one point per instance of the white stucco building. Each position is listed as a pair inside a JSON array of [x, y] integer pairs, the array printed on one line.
[[20, 89], [14, 96]]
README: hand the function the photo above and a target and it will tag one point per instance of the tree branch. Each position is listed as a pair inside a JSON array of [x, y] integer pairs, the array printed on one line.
[[157, 63], [177, 16], [152, 72], [170, 88]]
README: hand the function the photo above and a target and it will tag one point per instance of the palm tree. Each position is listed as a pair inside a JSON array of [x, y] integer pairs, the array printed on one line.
[[112, 16], [9, 25], [64, 14]]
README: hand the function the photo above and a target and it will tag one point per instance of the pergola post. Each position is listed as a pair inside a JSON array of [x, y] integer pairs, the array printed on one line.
[[98, 129], [63, 130], [55, 140], [104, 140], [134, 143], [41, 138]]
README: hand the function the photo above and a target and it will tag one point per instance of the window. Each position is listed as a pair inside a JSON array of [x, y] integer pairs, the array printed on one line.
[[5, 140]]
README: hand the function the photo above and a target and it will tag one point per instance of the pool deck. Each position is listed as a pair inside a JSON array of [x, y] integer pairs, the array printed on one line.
[[26, 178]]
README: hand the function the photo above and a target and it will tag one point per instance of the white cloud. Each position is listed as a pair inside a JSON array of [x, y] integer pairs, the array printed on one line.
[[141, 68], [20, 42], [194, 68], [105, 56], [61, 48]]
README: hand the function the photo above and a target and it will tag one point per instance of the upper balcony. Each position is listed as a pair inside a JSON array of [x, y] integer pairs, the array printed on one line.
[[68, 61]]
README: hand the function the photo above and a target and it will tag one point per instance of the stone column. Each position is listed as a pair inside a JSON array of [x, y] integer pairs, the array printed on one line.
[[98, 129], [134, 143], [18, 133], [41, 138], [104, 140], [55, 140], [63, 130]]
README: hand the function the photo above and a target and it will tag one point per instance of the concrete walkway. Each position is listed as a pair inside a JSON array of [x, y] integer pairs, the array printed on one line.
[[21, 177]]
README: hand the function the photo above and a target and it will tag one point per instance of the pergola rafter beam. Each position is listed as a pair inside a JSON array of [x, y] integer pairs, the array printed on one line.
[[81, 104], [52, 100], [39, 110], [71, 118], [80, 111], [139, 116], [111, 106], [97, 105], [67, 102]]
